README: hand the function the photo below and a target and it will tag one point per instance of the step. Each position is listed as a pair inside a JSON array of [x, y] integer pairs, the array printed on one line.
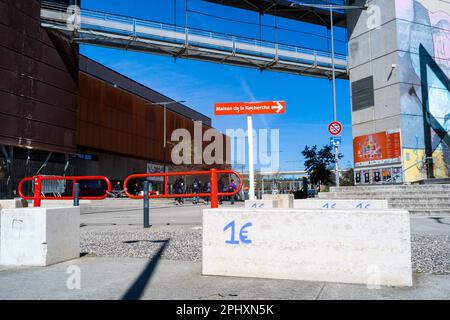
[[419, 201], [406, 191], [389, 188], [400, 195], [430, 212], [418, 206], [396, 197]]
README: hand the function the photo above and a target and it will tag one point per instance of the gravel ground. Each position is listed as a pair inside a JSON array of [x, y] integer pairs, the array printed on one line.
[[430, 253], [183, 244]]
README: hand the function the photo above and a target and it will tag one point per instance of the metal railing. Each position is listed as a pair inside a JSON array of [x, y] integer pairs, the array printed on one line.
[[39, 190], [39, 193], [214, 194]]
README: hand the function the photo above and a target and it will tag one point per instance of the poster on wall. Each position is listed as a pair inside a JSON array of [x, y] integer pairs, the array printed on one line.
[[387, 174], [376, 176], [357, 177], [366, 177], [397, 176], [377, 148], [154, 168]]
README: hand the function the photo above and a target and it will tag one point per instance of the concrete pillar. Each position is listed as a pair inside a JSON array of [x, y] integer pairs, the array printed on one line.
[[399, 54]]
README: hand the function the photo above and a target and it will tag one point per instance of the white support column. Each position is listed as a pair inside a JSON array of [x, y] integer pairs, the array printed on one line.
[[251, 170], [336, 160], [336, 148]]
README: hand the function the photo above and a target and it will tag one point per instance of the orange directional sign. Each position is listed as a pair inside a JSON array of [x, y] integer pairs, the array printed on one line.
[[265, 107]]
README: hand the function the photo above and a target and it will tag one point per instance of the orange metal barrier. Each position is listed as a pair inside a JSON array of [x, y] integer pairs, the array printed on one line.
[[214, 194], [38, 197]]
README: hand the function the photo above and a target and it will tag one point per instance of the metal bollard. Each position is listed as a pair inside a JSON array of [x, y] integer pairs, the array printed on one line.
[[146, 206], [76, 195]]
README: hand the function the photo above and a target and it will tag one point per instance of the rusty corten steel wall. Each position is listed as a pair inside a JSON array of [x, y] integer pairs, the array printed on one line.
[[108, 75], [113, 120], [38, 89]]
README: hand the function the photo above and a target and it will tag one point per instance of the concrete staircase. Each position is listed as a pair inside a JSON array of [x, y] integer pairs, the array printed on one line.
[[429, 200]]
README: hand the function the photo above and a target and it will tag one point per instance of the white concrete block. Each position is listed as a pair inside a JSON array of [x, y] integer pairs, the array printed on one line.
[[340, 204], [11, 204], [285, 201], [39, 236], [370, 247], [261, 204]]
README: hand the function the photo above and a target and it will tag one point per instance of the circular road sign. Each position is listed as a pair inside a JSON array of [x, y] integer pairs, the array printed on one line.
[[335, 128]]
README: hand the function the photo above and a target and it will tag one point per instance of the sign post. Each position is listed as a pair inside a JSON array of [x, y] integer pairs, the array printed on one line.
[[335, 129], [250, 108], [251, 168]]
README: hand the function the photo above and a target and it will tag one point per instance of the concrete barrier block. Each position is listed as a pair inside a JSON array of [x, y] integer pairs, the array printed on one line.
[[340, 204], [261, 204], [370, 247], [39, 236], [285, 201], [12, 204]]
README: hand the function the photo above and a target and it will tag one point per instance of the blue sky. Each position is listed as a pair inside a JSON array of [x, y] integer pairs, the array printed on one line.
[[201, 84]]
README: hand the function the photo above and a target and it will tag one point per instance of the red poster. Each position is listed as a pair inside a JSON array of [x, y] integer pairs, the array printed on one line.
[[377, 148]]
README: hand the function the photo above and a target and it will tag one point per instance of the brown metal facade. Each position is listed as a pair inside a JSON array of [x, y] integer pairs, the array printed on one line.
[[56, 106], [113, 120], [38, 90]]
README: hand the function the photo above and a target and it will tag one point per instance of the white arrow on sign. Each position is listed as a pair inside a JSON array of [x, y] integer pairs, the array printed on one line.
[[279, 107]]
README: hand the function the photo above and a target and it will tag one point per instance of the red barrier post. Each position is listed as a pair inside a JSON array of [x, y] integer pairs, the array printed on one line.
[[166, 185], [214, 189], [37, 191]]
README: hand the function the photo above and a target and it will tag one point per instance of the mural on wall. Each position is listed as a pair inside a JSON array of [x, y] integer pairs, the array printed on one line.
[[424, 58]]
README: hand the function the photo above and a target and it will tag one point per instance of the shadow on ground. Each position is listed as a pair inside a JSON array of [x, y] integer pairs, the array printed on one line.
[[138, 287]]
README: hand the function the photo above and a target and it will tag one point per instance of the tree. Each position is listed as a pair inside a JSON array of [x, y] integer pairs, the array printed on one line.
[[318, 164], [347, 178]]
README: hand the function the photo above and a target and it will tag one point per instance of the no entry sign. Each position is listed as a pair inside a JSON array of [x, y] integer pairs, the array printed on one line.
[[249, 108], [335, 128]]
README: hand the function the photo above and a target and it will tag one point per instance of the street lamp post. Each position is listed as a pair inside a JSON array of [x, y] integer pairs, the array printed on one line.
[[333, 72]]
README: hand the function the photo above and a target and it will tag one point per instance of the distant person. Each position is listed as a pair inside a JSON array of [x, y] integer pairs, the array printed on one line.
[[196, 187], [221, 187], [179, 189], [231, 188], [137, 189], [207, 190], [117, 189]]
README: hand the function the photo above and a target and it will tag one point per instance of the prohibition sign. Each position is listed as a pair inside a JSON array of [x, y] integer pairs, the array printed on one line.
[[335, 128]]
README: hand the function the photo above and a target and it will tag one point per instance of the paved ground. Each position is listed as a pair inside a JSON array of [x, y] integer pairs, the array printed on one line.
[[123, 261], [137, 278]]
